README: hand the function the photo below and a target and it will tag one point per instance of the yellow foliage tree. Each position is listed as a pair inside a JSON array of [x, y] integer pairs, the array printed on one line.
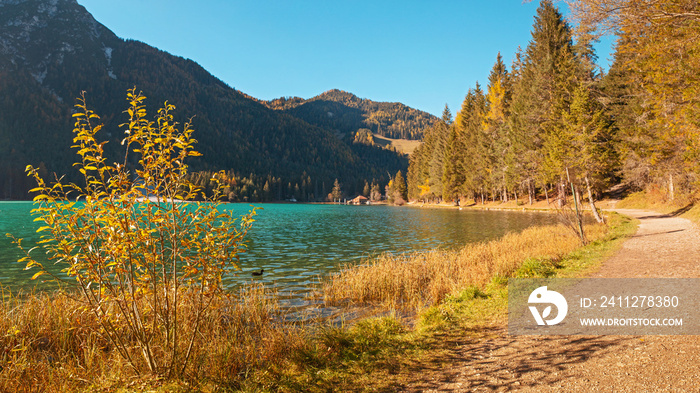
[[658, 55], [145, 260]]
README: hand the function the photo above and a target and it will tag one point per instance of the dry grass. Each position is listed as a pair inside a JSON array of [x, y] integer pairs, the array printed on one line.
[[685, 206], [406, 146], [51, 343], [41, 331], [423, 279]]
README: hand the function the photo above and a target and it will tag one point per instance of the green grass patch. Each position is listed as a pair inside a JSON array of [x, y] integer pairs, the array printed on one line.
[[537, 267], [588, 259], [475, 307], [347, 358], [584, 260]]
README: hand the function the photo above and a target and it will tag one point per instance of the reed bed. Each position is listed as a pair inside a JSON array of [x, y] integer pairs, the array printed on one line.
[[422, 279]]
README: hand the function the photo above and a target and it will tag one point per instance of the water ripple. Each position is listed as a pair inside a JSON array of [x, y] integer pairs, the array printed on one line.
[[297, 243]]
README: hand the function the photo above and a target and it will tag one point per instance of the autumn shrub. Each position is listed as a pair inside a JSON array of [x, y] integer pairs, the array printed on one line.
[[147, 263]]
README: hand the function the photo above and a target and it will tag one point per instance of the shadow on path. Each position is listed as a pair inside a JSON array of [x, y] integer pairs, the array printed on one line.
[[495, 361]]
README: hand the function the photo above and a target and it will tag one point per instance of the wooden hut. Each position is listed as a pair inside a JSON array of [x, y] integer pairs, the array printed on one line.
[[359, 200]]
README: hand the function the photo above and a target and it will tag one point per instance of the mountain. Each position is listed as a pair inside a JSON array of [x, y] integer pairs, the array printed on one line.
[[51, 50], [346, 113]]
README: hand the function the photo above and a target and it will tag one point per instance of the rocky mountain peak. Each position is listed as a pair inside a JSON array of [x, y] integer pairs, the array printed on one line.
[[35, 34]]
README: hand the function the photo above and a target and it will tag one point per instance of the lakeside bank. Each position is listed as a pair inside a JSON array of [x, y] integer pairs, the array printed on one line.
[[52, 345]]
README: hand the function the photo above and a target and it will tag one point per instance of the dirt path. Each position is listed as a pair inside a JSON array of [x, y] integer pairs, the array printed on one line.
[[662, 247]]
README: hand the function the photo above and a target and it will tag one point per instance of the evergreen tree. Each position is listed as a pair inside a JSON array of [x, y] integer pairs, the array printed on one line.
[[592, 152], [435, 148], [655, 87], [400, 188], [498, 101], [543, 90], [453, 173], [447, 115]]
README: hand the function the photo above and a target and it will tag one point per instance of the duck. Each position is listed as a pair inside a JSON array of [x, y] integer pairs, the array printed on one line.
[[260, 273]]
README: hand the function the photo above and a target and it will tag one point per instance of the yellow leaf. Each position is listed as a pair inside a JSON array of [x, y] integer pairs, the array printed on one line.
[[37, 274]]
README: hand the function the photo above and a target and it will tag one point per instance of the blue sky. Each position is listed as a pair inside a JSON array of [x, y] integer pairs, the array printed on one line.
[[422, 53]]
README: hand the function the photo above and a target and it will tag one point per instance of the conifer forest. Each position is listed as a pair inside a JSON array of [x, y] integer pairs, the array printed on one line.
[[553, 117]]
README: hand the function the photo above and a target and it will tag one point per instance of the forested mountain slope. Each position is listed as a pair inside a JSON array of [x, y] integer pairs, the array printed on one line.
[[346, 113], [51, 50]]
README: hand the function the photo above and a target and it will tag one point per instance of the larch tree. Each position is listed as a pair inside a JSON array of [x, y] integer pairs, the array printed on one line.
[[336, 192], [656, 63]]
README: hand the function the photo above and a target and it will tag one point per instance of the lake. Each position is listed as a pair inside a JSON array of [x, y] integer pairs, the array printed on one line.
[[297, 243]]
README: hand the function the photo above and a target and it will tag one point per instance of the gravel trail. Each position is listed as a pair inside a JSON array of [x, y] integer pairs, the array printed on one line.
[[663, 246]]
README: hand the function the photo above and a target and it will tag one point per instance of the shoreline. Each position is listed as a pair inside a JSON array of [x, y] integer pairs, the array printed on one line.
[[332, 350]]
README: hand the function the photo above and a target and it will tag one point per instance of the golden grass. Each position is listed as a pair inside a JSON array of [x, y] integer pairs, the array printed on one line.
[[655, 199], [685, 206], [406, 146], [424, 279], [50, 342]]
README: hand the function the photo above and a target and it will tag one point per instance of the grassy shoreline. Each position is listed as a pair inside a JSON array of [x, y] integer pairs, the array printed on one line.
[[50, 344]]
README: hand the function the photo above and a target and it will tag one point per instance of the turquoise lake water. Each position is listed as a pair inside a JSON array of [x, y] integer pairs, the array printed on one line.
[[297, 243]]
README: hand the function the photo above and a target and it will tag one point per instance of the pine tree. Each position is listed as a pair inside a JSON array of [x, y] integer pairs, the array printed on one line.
[[498, 93], [452, 175], [447, 115], [591, 149], [470, 160], [435, 145], [400, 188], [547, 78], [498, 101]]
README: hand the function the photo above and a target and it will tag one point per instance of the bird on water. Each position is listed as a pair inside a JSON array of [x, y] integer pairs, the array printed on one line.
[[260, 273]]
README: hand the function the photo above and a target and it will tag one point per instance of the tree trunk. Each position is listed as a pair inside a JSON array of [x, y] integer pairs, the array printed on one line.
[[561, 190], [576, 195], [670, 186], [546, 195], [597, 216], [515, 194]]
